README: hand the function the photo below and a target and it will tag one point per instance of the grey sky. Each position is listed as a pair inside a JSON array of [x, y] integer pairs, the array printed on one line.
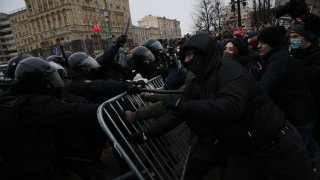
[[172, 9]]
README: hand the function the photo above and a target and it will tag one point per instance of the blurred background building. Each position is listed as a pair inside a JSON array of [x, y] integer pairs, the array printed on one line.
[[79, 25], [8, 47]]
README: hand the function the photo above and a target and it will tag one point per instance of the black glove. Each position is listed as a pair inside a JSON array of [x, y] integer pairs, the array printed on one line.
[[132, 88], [121, 40], [137, 138], [298, 8], [140, 83], [172, 102]]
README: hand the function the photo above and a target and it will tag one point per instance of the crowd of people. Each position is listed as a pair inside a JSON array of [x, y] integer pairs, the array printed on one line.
[[252, 100]]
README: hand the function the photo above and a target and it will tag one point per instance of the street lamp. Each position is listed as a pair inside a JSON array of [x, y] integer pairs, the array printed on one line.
[[233, 2], [107, 20]]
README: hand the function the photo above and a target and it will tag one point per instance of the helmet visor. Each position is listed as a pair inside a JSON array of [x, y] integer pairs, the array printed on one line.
[[149, 56], [90, 62], [121, 59], [55, 80], [59, 68], [156, 46]]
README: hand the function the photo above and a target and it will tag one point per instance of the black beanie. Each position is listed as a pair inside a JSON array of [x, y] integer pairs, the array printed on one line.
[[241, 45], [300, 29], [273, 36]]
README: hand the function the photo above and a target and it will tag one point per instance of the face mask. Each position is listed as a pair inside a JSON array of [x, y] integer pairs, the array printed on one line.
[[195, 64], [228, 55], [296, 43]]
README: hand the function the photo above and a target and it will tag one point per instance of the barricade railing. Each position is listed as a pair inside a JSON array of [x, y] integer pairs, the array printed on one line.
[[160, 158]]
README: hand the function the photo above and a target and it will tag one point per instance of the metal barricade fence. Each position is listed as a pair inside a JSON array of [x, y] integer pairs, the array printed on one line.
[[160, 158]]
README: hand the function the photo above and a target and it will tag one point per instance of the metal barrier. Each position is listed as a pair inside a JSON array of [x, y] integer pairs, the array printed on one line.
[[161, 158]]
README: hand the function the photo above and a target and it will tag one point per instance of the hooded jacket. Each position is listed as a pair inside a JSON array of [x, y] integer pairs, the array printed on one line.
[[225, 102]]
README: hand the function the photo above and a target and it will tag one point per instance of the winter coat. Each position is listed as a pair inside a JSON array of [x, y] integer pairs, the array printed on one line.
[[224, 102], [95, 90], [309, 59], [285, 83], [29, 124]]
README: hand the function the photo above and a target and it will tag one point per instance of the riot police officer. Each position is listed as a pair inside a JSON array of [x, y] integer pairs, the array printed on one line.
[[31, 118], [81, 80]]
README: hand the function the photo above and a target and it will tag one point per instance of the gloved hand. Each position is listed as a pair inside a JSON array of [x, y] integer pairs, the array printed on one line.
[[132, 88], [121, 40], [140, 83], [145, 96], [137, 138], [298, 8], [172, 102], [130, 116]]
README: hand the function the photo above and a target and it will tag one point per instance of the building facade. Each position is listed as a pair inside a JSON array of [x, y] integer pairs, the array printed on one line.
[[44, 25], [68, 23], [7, 43], [168, 28], [230, 18]]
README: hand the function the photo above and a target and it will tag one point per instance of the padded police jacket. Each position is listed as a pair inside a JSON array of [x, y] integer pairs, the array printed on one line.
[[28, 127]]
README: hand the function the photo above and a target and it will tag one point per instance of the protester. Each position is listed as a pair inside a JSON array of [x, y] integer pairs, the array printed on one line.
[[229, 112], [283, 79]]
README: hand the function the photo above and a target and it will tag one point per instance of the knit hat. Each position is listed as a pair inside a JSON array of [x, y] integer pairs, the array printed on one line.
[[300, 29], [241, 45], [252, 34], [273, 36]]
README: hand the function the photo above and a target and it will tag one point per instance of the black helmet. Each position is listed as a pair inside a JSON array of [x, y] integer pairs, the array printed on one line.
[[98, 56], [144, 62], [142, 55], [62, 72], [36, 74], [153, 45], [67, 53], [56, 58], [121, 57], [13, 62], [81, 59]]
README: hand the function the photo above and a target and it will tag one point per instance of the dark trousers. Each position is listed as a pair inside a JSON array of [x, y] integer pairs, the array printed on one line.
[[203, 158], [286, 160]]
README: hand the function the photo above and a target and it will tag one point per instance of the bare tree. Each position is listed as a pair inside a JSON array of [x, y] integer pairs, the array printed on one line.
[[218, 11], [204, 15], [262, 11]]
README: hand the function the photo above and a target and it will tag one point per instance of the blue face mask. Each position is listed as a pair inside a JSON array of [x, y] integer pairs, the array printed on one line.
[[296, 43]]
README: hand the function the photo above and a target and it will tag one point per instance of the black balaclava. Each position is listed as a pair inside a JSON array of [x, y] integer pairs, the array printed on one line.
[[195, 65], [206, 50]]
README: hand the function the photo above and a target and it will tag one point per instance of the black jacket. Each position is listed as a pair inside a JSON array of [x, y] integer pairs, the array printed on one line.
[[312, 22], [109, 69], [285, 83], [226, 103], [29, 124], [309, 59], [93, 90]]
